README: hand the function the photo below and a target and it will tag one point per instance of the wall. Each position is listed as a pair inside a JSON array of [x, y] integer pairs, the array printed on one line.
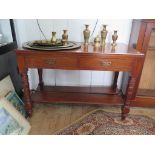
[[28, 30]]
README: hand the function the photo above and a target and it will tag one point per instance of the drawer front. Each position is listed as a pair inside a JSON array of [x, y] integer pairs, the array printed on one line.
[[113, 64], [59, 62]]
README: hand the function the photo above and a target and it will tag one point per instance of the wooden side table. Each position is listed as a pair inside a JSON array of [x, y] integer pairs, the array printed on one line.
[[121, 58]]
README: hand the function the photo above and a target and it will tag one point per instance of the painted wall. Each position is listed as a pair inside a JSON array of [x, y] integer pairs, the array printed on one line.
[[28, 30]]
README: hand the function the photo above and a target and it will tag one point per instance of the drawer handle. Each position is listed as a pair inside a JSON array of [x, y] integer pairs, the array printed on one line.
[[50, 61], [106, 63]]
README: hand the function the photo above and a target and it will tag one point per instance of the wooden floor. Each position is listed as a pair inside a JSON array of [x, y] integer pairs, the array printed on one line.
[[48, 119]]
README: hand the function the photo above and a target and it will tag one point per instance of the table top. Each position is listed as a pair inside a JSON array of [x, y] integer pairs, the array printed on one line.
[[121, 48]]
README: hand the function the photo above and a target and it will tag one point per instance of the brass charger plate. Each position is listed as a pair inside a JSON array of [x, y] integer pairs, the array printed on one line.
[[49, 47]]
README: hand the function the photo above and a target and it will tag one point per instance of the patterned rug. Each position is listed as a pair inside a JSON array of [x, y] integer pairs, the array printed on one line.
[[100, 122]]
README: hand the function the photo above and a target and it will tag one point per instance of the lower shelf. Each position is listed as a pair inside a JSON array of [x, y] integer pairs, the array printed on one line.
[[65, 96], [81, 89]]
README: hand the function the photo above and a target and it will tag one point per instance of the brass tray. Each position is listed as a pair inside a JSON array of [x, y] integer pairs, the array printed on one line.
[[47, 46]]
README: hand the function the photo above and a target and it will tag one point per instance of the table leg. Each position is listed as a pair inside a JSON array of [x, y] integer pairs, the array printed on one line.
[[115, 80], [41, 83], [132, 85], [128, 97], [27, 98]]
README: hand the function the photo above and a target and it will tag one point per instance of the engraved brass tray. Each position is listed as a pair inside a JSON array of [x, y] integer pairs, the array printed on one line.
[[48, 46]]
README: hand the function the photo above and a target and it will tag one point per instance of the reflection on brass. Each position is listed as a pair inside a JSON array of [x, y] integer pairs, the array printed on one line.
[[86, 34], [97, 41], [105, 63], [53, 39], [114, 38], [65, 38], [103, 35]]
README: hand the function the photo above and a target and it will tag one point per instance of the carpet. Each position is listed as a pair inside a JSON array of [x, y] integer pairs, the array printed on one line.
[[100, 122]]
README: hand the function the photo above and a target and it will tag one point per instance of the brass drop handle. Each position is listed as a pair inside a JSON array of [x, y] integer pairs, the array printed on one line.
[[50, 61], [106, 63]]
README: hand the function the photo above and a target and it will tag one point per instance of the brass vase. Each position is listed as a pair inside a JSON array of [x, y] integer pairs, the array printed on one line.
[[114, 38], [86, 34], [65, 38], [103, 35], [53, 39]]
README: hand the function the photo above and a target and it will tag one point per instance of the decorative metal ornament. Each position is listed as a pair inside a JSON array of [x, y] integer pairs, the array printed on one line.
[[97, 41], [40, 45], [103, 35], [65, 38], [86, 34], [114, 38], [53, 39]]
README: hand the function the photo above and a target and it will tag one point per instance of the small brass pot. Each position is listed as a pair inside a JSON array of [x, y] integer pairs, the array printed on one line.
[[65, 38], [97, 41], [53, 39]]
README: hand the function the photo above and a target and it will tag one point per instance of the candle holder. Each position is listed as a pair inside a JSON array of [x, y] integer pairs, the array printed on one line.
[[103, 35], [114, 38], [65, 38], [86, 34]]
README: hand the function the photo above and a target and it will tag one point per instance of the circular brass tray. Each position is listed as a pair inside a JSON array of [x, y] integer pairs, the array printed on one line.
[[49, 47]]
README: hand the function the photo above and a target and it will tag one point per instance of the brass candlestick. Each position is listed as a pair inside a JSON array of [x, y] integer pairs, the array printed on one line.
[[97, 41], [65, 38], [53, 39], [86, 34], [103, 35], [114, 38]]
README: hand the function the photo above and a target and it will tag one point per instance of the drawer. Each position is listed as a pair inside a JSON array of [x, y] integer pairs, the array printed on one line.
[[113, 64], [59, 62]]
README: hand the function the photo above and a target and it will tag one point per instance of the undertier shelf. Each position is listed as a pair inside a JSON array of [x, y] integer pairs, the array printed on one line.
[[85, 95]]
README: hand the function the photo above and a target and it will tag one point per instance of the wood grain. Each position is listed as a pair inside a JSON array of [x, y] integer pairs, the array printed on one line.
[[47, 119]]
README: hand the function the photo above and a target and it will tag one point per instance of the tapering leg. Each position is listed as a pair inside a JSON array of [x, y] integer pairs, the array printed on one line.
[[115, 80], [27, 98], [128, 97], [41, 83], [132, 85]]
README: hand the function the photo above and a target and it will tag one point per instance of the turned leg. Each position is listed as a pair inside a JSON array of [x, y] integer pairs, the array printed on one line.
[[27, 99], [132, 85], [115, 80], [128, 97], [41, 83]]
